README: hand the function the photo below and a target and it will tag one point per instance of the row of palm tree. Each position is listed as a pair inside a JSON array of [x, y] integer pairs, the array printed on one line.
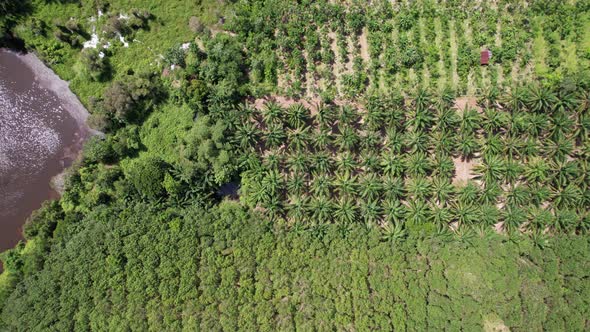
[[393, 160]]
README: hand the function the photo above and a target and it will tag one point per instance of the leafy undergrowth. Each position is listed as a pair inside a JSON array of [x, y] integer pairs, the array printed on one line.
[[142, 268]]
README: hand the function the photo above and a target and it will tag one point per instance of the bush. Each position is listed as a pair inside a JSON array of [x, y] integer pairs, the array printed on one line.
[[98, 150], [147, 174]]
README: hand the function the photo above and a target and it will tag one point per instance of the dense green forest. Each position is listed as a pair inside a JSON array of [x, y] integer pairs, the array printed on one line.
[[387, 181]]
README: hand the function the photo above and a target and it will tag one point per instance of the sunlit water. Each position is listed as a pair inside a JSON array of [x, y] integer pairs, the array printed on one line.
[[38, 139]]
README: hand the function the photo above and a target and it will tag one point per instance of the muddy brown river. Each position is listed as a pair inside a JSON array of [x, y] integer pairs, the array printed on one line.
[[41, 132]]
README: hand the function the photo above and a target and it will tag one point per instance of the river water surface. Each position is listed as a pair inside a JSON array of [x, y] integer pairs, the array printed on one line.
[[41, 131]]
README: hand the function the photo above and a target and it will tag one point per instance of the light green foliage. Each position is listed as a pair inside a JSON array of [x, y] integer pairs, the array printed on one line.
[[155, 264], [207, 146]]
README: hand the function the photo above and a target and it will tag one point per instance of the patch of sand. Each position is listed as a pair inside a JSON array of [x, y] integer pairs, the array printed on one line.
[[463, 170], [493, 323], [364, 45], [464, 102]]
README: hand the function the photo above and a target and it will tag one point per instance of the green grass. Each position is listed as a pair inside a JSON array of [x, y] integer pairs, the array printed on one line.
[[168, 28], [164, 130]]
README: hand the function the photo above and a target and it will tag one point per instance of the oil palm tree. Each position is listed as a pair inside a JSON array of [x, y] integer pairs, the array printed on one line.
[[272, 183], [371, 140], [370, 210], [443, 141], [566, 101], [442, 189], [371, 187], [566, 197], [371, 161], [494, 120], [489, 214], [393, 211], [348, 139], [345, 185], [298, 162], [536, 124], [247, 135], [417, 164], [561, 125], [512, 170], [320, 185], [465, 213], [394, 140], [540, 218], [492, 146], [490, 170], [564, 172], [443, 165], [516, 100], [419, 188], [275, 135], [470, 121], [324, 116], [322, 139], [393, 187], [441, 215], [346, 163], [540, 99], [422, 99], [513, 217], [536, 170], [272, 113], [392, 164], [374, 118], [417, 211], [348, 115], [420, 119], [394, 232], [559, 149], [467, 146], [297, 115], [297, 208], [321, 209], [446, 119], [273, 160], [566, 220], [322, 162], [298, 138], [490, 193], [296, 184], [469, 193], [345, 211], [540, 193], [416, 141], [518, 195]]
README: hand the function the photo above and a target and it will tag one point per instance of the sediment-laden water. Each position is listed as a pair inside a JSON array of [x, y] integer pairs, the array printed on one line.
[[41, 131]]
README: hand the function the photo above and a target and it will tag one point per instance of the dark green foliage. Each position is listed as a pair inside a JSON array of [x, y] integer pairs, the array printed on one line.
[[147, 174]]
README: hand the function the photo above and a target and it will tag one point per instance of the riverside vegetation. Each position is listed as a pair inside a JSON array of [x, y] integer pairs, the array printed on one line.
[[387, 180]]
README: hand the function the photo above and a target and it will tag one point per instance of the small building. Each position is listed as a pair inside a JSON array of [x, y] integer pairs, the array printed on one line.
[[485, 57]]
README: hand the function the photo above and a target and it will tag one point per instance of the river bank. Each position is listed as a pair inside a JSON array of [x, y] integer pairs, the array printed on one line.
[[42, 130]]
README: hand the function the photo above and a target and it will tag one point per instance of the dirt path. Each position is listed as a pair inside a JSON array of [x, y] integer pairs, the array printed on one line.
[[337, 67]]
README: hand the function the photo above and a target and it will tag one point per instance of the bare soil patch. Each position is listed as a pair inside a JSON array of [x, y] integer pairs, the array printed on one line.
[[463, 170], [465, 102], [364, 45]]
